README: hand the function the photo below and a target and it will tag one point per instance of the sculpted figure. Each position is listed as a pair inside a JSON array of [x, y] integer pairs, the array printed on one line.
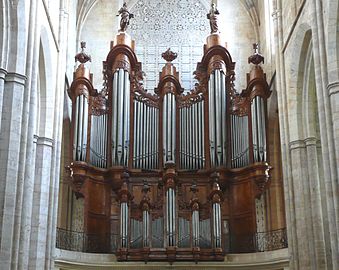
[[212, 16], [125, 17]]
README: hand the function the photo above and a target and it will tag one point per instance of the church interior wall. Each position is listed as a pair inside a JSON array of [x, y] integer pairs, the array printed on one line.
[[306, 127]]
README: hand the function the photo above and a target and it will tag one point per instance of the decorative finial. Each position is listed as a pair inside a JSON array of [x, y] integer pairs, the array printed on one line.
[[82, 57], [125, 17], [169, 56], [256, 58], [213, 17]]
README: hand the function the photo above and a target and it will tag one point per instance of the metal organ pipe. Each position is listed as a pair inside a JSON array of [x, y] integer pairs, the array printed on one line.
[[195, 227], [217, 118], [240, 141], [146, 225], [124, 224], [191, 134], [170, 216], [145, 146], [169, 129], [80, 128], [217, 224], [258, 129], [120, 118]]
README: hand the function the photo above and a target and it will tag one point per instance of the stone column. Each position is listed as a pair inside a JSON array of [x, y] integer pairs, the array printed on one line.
[[9, 156], [3, 74], [41, 207], [57, 134], [284, 136], [326, 131], [28, 145]]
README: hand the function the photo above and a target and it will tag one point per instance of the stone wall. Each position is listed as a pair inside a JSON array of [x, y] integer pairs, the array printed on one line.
[[32, 67], [307, 127]]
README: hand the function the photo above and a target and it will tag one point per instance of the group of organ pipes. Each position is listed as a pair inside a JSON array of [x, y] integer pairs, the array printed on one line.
[[175, 173]]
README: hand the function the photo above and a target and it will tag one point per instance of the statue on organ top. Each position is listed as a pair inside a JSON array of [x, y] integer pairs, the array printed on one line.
[[213, 17], [125, 17]]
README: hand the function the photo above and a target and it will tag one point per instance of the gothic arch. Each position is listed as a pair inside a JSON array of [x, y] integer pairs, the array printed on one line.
[[309, 98], [296, 68], [46, 87]]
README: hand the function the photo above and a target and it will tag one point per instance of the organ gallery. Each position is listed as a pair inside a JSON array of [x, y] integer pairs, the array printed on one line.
[[169, 174]]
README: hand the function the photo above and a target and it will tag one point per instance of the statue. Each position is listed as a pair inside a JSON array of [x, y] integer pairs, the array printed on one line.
[[212, 16], [125, 17]]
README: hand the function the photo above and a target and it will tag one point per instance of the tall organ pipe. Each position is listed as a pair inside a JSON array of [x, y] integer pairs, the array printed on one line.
[[169, 128], [124, 224], [98, 140], [217, 118], [80, 128], [170, 216], [258, 129], [146, 225], [120, 118]]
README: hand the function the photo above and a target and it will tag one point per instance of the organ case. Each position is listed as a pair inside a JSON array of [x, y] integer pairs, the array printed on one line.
[[176, 173]]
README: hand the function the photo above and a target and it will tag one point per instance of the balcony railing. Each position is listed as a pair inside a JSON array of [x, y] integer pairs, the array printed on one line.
[[109, 243], [259, 242]]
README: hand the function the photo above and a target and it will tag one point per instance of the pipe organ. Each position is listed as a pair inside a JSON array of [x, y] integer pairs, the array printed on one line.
[[175, 174]]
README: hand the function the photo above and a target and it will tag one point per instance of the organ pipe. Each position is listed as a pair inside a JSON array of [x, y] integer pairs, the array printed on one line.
[[80, 128], [170, 216], [258, 129], [123, 224], [120, 118], [217, 118], [169, 127], [240, 141]]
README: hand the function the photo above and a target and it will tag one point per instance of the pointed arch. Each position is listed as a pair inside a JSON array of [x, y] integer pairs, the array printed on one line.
[[46, 86], [295, 68]]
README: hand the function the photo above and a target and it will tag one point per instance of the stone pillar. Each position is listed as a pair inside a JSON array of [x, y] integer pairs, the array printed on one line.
[[41, 207], [28, 144], [326, 131], [9, 155], [2, 85], [57, 134], [333, 91], [284, 136]]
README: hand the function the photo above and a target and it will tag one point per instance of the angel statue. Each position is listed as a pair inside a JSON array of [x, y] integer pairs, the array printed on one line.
[[125, 17], [212, 16]]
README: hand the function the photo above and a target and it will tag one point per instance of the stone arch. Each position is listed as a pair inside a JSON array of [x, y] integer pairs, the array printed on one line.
[[309, 98], [45, 87], [333, 41], [306, 158], [295, 61]]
